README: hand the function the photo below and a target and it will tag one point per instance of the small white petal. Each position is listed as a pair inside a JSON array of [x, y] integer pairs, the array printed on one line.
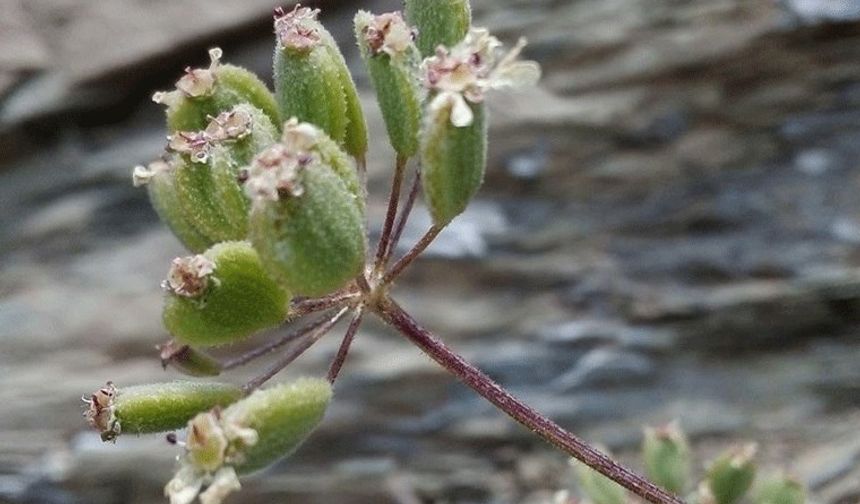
[[184, 486], [461, 112], [224, 483]]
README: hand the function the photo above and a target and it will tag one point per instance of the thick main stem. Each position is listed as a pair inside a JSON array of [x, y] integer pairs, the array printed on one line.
[[516, 409]]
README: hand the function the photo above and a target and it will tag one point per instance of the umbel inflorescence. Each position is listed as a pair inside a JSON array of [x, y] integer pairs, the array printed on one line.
[[267, 191]]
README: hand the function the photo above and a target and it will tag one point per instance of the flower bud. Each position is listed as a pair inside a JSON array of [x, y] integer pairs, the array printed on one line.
[[250, 435], [597, 487], [387, 46], [187, 360], [780, 490], [312, 82], [221, 297], [439, 22], [203, 93], [158, 407], [667, 457], [306, 219], [731, 475]]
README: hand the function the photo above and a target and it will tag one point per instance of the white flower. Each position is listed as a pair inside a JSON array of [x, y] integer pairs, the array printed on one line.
[[189, 276], [100, 412], [195, 83], [143, 174], [297, 29], [275, 172], [235, 124], [386, 33], [215, 443], [196, 144], [464, 73]]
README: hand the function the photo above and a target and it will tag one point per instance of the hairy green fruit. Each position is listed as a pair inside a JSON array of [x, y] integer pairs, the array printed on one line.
[[314, 243], [203, 93], [283, 416], [780, 490], [453, 160], [161, 186], [307, 219], [439, 22], [221, 297], [155, 407], [597, 487], [250, 435], [312, 82], [386, 45], [667, 457], [731, 475]]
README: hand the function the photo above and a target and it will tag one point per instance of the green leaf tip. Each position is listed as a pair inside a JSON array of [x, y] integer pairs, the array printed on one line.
[[307, 219], [221, 297], [157, 407], [247, 436]]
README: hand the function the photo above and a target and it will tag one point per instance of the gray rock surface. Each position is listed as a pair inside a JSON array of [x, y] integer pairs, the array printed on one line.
[[669, 229]]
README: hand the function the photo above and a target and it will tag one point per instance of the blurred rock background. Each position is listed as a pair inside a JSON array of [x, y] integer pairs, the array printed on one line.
[[670, 228]]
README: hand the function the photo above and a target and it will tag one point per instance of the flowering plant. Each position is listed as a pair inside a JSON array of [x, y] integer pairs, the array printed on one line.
[[267, 190]]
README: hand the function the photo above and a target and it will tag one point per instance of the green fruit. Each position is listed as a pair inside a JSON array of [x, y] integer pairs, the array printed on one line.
[[392, 63], [226, 302], [205, 93], [312, 81], [667, 457], [283, 417], [313, 243], [155, 407], [453, 162], [780, 490], [165, 200], [731, 475], [439, 22]]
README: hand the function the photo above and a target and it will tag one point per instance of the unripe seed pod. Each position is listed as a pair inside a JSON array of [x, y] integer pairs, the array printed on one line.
[[206, 92], [392, 59], [439, 22], [221, 297], [453, 162], [160, 183], [731, 475], [157, 407], [250, 435], [597, 487], [306, 222], [187, 360], [454, 140], [667, 457], [780, 490], [312, 82]]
